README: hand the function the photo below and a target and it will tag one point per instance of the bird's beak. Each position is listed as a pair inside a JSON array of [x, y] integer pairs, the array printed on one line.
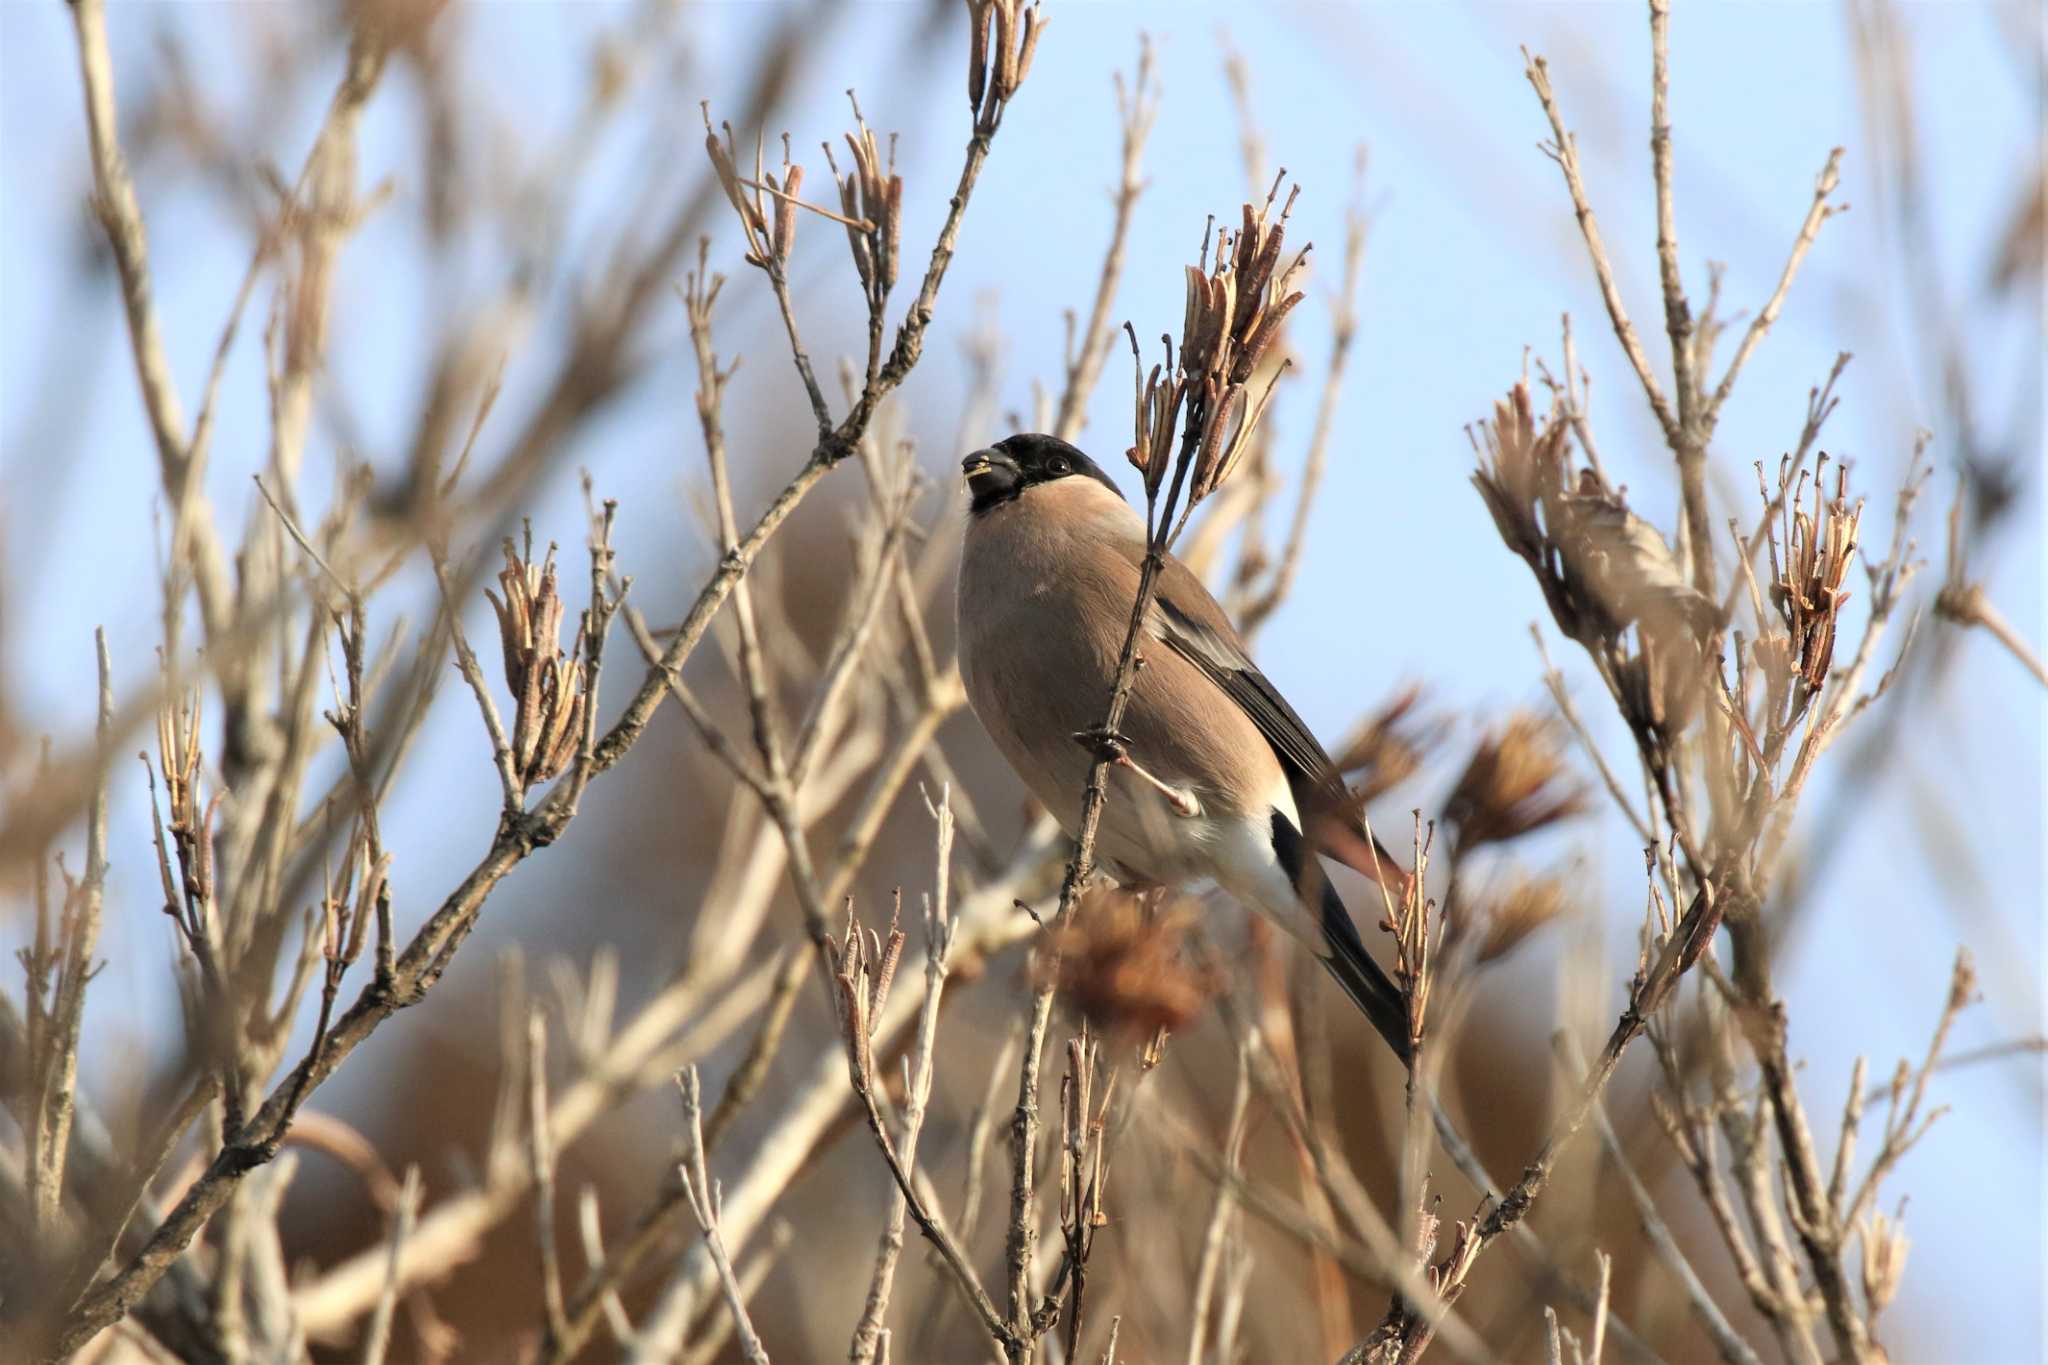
[[989, 473]]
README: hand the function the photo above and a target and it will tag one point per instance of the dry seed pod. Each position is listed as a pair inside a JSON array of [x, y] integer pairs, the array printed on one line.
[[547, 686], [1819, 548], [1006, 52], [785, 210], [1388, 748], [1520, 471], [728, 173], [892, 230], [856, 232], [1261, 339], [1509, 918], [1514, 783], [978, 12], [1129, 973], [1034, 29]]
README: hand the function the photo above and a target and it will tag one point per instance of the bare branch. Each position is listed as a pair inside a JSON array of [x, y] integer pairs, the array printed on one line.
[[1564, 150], [704, 1203]]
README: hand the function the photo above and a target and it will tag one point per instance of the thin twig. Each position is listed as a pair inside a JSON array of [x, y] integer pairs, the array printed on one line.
[[1731, 1346], [542, 1153], [1817, 212], [705, 1199], [377, 1339], [867, 1333], [1564, 150]]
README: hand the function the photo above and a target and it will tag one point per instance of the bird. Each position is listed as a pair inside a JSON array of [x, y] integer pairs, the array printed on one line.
[[1216, 777]]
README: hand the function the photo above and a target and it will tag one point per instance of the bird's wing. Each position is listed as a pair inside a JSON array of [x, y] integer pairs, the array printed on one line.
[[1191, 623]]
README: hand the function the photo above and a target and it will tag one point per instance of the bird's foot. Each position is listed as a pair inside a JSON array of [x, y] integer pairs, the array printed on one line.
[[1106, 744]]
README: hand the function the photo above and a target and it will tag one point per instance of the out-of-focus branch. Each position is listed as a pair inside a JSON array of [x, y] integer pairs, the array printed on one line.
[[1137, 108], [377, 1339], [1343, 330], [1220, 1214], [643, 1052], [56, 1006], [541, 1149], [1732, 1347], [121, 216], [599, 1288], [1818, 212], [1964, 602]]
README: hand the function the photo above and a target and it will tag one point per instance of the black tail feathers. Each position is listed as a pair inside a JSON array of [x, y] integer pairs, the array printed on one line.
[[1374, 995], [1346, 958]]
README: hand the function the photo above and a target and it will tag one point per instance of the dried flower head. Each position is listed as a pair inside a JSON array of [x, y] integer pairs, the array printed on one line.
[[863, 966], [1513, 784], [1130, 971], [1233, 314], [1818, 545], [1388, 746], [1505, 919], [547, 685], [1521, 473], [1205, 401], [1602, 567]]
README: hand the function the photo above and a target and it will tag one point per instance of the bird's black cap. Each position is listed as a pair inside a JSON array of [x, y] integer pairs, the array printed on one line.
[[1000, 473]]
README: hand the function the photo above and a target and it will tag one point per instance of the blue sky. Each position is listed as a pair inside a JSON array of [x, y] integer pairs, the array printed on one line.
[[1473, 256]]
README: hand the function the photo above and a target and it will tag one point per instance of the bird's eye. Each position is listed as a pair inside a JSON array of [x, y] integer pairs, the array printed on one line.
[[1058, 465]]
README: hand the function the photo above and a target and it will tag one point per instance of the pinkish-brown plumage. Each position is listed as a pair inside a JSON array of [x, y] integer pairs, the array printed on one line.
[[1224, 781]]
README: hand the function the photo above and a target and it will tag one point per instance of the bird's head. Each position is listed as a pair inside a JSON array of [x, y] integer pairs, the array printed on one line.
[[1001, 473]]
